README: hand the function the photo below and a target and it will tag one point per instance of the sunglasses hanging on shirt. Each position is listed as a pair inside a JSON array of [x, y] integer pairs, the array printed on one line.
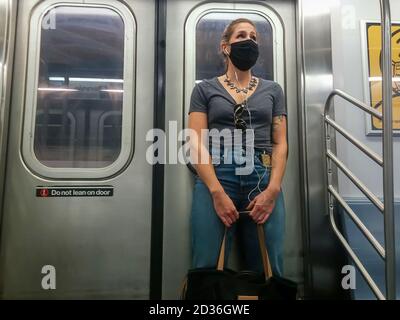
[[238, 112]]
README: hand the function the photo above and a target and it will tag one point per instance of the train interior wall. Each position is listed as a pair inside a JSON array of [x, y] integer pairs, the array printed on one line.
[[349, 19], [331, 60]]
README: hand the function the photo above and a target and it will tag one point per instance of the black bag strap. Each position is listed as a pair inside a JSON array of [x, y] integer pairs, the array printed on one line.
[[263, 248]]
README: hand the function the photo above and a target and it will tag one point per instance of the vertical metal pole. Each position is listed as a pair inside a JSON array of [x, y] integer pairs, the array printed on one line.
[[328, 162], [157, 215], [307, 265], [388, 192]]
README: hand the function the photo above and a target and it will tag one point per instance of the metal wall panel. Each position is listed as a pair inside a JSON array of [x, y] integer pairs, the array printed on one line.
[[8, 12], [100, 247], [323, 275]]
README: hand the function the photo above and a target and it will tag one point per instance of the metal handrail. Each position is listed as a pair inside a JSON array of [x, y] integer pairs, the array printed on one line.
[[364, 148], [387, 207], [375, 243], [353, 101], [361, 186], [330, 156], [356, 260]]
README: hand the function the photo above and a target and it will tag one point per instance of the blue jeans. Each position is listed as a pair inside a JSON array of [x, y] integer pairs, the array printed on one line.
[[207, 230]]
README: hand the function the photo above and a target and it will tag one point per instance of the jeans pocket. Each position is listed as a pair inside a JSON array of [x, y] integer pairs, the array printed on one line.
[[258, 161]]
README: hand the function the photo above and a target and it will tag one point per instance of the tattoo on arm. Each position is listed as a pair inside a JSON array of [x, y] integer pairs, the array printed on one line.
[[277, 122]]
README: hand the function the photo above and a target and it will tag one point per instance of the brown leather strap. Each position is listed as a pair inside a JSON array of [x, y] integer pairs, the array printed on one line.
[[221, 258], [183, 289], [263, 248], [264, 252], [247, 297]]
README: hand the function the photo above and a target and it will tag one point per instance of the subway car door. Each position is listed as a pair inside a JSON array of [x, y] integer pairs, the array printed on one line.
[[77, 205], [194, 31]]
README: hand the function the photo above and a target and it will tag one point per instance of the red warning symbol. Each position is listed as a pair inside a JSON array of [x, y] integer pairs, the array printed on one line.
[[44, 192]]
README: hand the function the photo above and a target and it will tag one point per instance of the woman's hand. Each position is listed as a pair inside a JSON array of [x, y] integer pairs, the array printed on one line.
[[262, 205], [225, 208]]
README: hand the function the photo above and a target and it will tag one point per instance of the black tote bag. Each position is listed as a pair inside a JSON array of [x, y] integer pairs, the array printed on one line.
[[226, 284]]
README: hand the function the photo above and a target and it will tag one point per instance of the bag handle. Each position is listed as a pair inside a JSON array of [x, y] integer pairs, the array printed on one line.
[[263, 248], [264, 252], [221, 258]]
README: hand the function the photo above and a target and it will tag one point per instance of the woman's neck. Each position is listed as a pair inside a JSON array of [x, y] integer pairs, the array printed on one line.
[[243, 77]]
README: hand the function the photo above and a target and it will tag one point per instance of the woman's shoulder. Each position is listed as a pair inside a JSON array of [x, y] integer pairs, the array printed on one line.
[[206, 86], [269, 83], [270, 87], [203, 89], [206, 82]]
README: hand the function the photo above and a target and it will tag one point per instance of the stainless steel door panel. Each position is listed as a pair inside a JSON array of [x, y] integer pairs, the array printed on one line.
[[100, 247]]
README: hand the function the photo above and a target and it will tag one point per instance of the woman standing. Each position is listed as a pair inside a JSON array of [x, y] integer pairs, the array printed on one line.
[[239, 102]]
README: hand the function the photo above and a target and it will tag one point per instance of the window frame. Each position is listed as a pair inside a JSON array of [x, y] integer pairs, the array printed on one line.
[[32, 79]]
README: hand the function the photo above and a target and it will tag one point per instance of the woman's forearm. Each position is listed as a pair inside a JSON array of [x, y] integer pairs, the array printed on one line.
[[202, 159], [207, 174], [279, 156], [202, 162]]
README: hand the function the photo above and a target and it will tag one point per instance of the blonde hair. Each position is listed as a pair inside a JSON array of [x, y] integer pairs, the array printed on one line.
[[228, 32]]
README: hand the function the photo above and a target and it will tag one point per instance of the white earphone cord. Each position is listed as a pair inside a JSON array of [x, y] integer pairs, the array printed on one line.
[[251, 127]]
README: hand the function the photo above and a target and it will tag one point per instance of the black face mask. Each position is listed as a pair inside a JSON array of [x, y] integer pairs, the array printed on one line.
[[244, 54]]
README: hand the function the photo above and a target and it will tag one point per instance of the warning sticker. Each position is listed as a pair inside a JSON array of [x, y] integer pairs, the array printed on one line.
[[51, 192]]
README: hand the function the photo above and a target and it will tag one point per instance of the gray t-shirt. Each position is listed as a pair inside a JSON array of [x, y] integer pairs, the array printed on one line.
[[211, 97]]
